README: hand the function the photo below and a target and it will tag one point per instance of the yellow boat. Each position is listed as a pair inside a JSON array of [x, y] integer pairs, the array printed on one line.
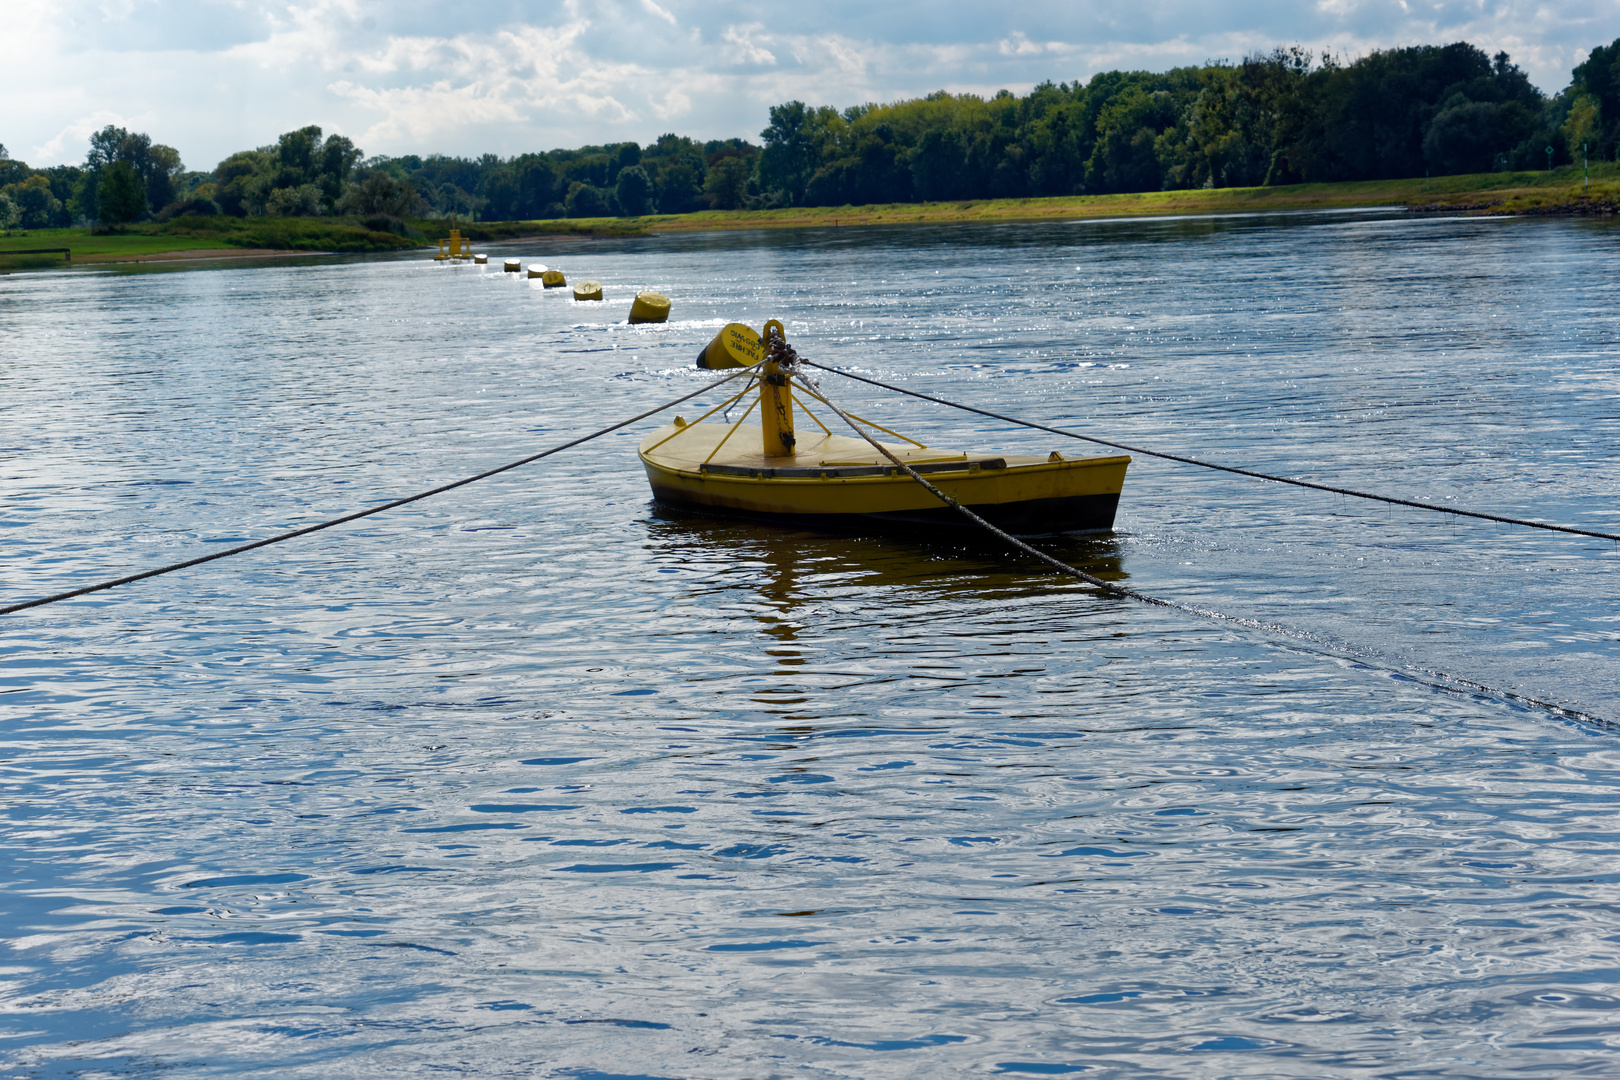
[[825, 479]]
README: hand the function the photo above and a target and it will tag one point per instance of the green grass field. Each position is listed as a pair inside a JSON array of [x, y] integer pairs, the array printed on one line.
[[87, 247], [1559, 191], [197, 234]]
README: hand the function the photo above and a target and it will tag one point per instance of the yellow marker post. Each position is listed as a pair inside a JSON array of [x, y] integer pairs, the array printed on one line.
[[776, 402], [454, 246]]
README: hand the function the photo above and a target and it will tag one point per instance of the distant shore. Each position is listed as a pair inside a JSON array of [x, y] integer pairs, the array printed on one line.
[[197, 255], [1560, 192]]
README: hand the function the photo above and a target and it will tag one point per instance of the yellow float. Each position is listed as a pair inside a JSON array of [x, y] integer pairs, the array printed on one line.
[[649, 307], [480, 259], [588, 290], [819, 478], [537, 269], [737, 345], [512, 266], [553, 279]]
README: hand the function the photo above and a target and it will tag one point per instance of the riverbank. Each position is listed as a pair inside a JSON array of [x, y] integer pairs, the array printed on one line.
[[196, 238], [227, 237], [1559, 192], [1523, 192]]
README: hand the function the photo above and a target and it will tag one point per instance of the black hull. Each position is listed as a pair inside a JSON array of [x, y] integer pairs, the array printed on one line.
[[1037, 517]]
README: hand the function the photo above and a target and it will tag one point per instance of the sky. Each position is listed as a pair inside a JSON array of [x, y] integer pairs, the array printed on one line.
[[468, 77]]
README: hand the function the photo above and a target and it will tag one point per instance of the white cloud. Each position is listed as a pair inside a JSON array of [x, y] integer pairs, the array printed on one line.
[[1019, 45], [214, 76], [505, 78], [674, 103], [744, 48], [77, 134], [662, 13]]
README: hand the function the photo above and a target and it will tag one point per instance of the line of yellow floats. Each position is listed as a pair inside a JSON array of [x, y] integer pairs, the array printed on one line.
[[648, 306], [836, 480]]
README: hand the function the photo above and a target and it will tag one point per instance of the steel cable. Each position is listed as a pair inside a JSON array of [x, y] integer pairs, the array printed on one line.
[[1435, 679], [1223, 468], [364, 513]]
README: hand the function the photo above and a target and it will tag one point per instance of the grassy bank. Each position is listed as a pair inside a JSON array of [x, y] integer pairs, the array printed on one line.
[[1539, 193], [88, 248], [223, 234], [152, 239], [489, 231], [1534, 192]]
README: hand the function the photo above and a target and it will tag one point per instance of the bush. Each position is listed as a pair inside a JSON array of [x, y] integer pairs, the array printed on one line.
[[196, 206], [386, 224], [379, 194], [301, 201]]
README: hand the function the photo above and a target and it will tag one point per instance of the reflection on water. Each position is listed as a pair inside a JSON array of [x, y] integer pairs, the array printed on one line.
[[541, 779]]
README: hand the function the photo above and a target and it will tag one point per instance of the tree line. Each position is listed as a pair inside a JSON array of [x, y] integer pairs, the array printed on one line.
[[1281, 118]]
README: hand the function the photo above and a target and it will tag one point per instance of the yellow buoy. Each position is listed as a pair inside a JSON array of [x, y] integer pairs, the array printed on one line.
[[588, 290], [735, 345], [480, 259], [649, 307], [453, 247], [512, 266], [553, 279], [537, 269]]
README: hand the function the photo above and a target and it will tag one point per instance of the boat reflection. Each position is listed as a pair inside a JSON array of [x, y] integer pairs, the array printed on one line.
[[795, 571]]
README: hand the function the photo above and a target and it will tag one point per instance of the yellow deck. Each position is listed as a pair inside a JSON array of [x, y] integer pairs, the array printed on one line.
[[839, 476]]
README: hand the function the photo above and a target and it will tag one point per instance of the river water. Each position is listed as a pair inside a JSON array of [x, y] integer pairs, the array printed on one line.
[[536, 779]]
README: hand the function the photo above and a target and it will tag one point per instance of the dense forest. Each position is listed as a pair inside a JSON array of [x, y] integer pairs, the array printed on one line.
[[1283, 118]]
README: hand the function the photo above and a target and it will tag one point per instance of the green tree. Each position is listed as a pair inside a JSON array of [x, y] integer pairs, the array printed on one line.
[[13, 172], [680, 185], [537, 187], [379, 194], [9, 213], [305, 200], [792, 151], [726, 186], [1126, 156], [336, 162], [634, 191], [586, 200], [243, 181], [163, 167], [105, 146], [1583, 126], [1598, 77], [157, 165], [35, 203], [122, 196], [1466, 136]]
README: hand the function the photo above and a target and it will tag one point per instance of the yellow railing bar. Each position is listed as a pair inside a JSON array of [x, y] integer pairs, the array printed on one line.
[[732, 431], [868, 423], [812, 416], [705, 416]]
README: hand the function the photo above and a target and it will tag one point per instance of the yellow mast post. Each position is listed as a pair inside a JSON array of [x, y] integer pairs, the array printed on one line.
[[458, 247], [776, 394]]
